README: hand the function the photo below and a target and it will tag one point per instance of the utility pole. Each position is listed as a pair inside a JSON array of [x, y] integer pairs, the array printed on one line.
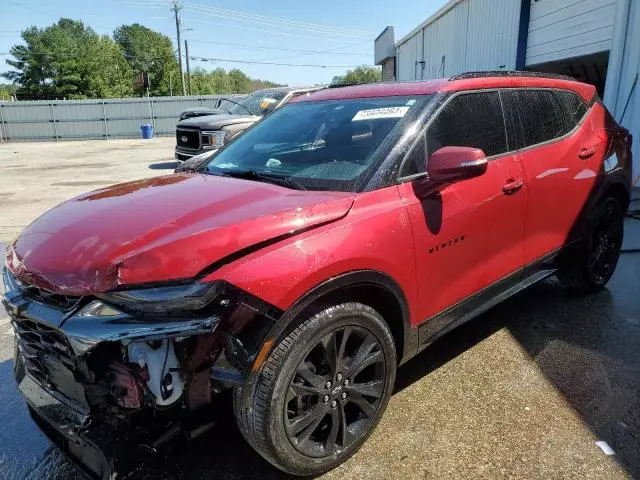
[[176, 8], [186, 54]]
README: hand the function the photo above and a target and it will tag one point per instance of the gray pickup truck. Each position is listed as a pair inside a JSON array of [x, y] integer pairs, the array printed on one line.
[[207, 133]]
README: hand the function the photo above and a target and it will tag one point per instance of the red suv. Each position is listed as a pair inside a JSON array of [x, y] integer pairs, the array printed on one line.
[[325, 246]]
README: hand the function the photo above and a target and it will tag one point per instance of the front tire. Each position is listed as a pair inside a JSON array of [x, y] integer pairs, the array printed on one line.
[[322, 390], [591, 264]]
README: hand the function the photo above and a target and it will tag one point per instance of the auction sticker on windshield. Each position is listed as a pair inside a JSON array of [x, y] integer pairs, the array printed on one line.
[[389, 112]]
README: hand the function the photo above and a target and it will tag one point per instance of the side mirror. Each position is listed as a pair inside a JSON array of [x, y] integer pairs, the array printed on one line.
[[452, 164]]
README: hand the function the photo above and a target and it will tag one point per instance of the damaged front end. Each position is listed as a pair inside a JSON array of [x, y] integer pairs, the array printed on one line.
[[100, 367]]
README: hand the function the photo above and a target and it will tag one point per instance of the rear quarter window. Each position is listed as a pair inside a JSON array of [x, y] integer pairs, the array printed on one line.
[[574, 107]]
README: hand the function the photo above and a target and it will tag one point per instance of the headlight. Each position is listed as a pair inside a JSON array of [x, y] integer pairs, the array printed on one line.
[[215, 138], [165, 300], [97, 308]]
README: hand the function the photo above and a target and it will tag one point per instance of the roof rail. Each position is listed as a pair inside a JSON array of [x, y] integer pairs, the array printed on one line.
[[510, 73]]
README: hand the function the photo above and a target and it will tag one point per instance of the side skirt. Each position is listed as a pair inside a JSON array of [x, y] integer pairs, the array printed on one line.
[[435, 327]]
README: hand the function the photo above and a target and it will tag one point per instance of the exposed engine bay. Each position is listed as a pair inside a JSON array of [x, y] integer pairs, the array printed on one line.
[[115, 361]]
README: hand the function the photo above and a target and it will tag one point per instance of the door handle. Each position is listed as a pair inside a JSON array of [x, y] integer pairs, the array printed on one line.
[[512, 187], [587, 152]]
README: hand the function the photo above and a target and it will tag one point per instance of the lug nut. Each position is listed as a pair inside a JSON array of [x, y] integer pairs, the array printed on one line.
[[333, 404], [325, 399], [343, 395], [339, 377], [327, 385], [346, 382]]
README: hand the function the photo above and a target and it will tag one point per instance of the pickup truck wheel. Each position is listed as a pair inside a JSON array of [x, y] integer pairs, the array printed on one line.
[[322, 390], [592, 263]]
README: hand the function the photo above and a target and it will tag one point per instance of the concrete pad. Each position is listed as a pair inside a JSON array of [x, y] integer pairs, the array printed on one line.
[[35, 177]]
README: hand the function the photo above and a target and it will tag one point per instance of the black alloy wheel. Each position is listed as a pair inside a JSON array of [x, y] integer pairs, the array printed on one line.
[[589, 264], [605, 243], [335, 392], [321, 390]]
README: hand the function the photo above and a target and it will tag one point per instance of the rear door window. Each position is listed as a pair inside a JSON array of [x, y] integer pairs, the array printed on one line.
[[541, 117]]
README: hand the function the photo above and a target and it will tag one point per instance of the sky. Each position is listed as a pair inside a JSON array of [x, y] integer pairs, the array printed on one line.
[[338, 34]]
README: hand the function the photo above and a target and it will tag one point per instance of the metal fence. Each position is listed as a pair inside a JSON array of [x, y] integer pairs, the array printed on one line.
[[95, 119]]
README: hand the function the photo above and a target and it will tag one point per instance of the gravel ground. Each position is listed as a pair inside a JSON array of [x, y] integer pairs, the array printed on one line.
[[524, 391]]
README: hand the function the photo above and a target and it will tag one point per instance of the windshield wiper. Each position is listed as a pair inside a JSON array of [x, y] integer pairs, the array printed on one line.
[[282, 180], [240, 105]]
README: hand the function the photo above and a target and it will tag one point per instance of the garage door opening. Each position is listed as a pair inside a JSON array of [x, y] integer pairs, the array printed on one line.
[[588, 68]]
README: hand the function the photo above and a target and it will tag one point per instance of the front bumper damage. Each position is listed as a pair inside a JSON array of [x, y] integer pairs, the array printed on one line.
[[92, 398]]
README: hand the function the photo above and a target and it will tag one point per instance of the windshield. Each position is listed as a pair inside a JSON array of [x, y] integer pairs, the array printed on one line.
[[256, 103], [326, 145]]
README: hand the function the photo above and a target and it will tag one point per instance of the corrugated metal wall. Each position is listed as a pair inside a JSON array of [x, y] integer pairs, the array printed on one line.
[[407, 58], [95, 119], [473, 35], [560, 29], [622, 92]]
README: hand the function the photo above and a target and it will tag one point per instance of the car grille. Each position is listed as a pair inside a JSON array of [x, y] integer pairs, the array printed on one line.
[[46, 352], [41, 346], [188, 138], [61, 302]]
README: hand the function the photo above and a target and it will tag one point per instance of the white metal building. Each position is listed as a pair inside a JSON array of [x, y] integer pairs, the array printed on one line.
[[596, 41]]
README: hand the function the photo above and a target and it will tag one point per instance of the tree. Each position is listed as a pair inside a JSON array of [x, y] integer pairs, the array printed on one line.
[[66, 60], [221, 82], [114, 79], [70, 60], [359, 75], [7, 92], [240, 83], [149, 51]]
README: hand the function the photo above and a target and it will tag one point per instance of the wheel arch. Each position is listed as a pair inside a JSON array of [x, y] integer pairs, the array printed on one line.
[[373, 288], [618, 191]]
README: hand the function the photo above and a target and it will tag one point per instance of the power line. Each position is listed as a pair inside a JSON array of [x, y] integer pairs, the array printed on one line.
[[279, 19], [270, 23], [203, 59], [207, 59], [263, 19], [327, 52], [325, 39], [280, 49], [43, 12]]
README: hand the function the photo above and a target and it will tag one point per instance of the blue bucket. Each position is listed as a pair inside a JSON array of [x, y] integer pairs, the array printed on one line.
[[147, 131]]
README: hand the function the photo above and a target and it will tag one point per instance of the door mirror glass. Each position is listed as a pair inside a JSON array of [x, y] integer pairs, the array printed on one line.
[[452, 164]]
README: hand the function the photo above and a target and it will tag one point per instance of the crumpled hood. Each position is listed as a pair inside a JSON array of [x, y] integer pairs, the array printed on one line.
[[160, 229]]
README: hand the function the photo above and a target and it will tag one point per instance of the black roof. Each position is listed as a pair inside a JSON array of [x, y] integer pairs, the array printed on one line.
[[509, 73]]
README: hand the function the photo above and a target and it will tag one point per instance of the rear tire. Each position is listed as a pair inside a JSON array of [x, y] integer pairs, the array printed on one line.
[[591, 263], [321, 391]]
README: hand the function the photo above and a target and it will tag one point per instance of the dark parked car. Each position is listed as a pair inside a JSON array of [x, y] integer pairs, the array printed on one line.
[[318, 251], [202, 133]]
